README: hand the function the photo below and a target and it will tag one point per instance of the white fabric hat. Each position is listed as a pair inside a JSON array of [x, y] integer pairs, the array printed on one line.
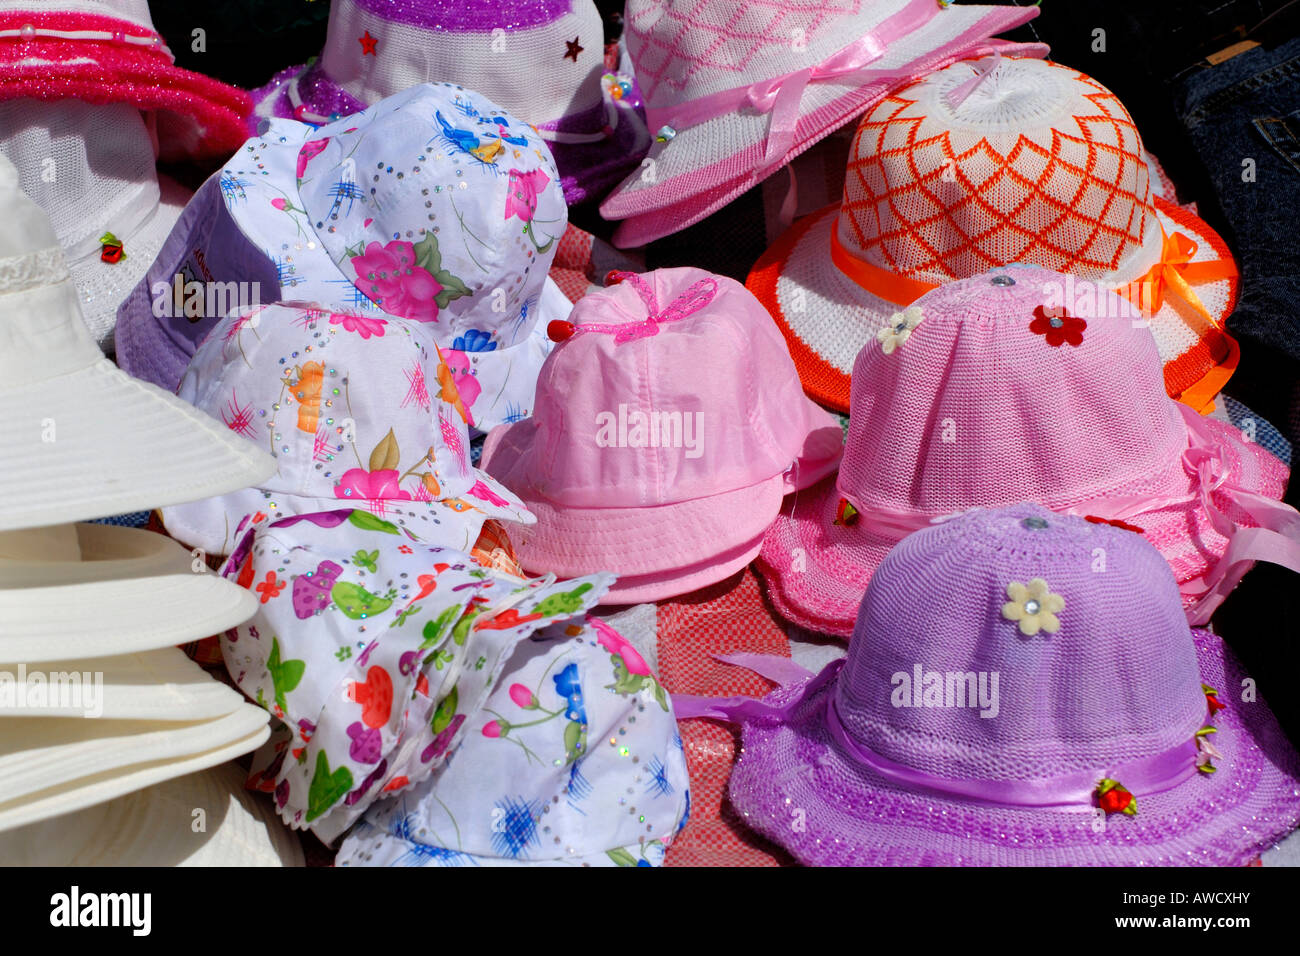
[[80, 438], [111, 591], [157, 827], [91, 168], [161, 685], [50, 767]]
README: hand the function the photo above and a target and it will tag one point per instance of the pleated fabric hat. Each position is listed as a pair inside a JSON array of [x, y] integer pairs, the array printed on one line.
[[82, 439], [979, 165], [1029, 710], [734, 91], [1023, 385], [669, 426], [543, 60]]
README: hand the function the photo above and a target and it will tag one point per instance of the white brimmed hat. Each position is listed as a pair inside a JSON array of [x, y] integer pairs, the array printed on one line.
[[90, 590], [81, 439], [159, 826], [91, 168]]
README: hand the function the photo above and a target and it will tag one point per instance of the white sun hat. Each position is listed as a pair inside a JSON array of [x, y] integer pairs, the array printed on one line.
[[91, 167], [54, 766], [80, 438], [90, 590], [161, 826]]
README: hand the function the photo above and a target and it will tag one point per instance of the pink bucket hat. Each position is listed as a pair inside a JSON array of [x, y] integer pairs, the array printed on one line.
[[669, 425], [543, 60], [355, 409], [1017, 385], [107, 51], [734, 91], [1004, 704], [979, 165]]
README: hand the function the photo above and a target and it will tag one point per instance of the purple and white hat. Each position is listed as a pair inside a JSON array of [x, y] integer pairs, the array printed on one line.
[[540, 59], [1022, 689], [434, 205]]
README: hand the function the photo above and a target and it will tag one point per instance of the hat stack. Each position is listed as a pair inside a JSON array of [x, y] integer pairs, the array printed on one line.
[[95, 702]]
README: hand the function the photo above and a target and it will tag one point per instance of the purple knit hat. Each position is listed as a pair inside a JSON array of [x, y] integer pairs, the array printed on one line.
[[543, 60], [1022, 689]]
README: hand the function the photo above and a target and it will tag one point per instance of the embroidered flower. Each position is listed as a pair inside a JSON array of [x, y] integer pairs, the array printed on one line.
[[899, 329], [496, 728], [1113, 797], [474, 340], [361, 324], [310, 150], [389, 276], [359, 483], [616, 643], [271, 587], [1057, 326], [521, 200], [1205, 751], [483, 493], [1212, 699], [1033, 606], [523, 697], [459, 387]]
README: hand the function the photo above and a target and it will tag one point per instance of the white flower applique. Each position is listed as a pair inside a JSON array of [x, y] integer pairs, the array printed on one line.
[[899, 329]]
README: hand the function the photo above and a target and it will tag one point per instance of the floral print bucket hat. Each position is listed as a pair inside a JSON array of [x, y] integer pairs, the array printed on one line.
[[574, 760], [356, 409], [373, 646], [434, 205]]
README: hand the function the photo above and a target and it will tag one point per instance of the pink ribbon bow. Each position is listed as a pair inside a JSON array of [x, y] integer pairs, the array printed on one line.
[[689, 302]]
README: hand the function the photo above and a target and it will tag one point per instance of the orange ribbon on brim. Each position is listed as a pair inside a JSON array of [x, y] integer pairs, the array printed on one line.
[[1176, 272]]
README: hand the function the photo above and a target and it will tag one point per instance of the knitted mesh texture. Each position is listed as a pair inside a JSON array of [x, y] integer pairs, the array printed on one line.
[[1119, 679]]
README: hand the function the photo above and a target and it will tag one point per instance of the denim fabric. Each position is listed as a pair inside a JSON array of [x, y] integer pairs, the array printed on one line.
[[1243, 117]]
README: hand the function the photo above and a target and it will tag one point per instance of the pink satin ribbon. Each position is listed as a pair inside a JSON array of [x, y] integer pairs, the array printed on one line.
[[1276, 540], [781, 96], [1154, 774], [688, 303]]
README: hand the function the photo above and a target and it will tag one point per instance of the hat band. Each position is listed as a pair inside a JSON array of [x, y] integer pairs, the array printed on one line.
[[781, 96], [1074, 791], [80, 27]]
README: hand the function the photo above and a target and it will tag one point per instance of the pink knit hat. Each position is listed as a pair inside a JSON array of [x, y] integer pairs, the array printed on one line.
[[669, 423], [1017, 385], [107, 51], [1005, 704], [735, 90]]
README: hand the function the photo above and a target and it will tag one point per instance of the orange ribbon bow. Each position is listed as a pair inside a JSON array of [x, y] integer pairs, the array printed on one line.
[[1175, 272]]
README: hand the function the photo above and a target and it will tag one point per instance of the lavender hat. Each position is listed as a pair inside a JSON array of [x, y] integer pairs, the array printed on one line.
[[1022, 689], [540, 59]]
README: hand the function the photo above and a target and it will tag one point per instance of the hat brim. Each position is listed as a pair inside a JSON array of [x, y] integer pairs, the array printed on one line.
[[856, 817], [656, 551], [116, 445], [239, 829], [104, 286], [214, 524], [132, 591], [51, 767], [717, 160], [817, 571], [159, 686], [827, 318]]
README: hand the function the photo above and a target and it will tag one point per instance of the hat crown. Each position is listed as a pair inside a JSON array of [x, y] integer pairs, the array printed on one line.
[[1117, 681], [440, 207], [976, 408], [541, 59], [27, 228], [704, 404], [351, 406], [686, 50], [1038, 163]]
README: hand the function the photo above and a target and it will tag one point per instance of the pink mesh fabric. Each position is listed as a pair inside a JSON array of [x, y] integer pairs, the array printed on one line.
[[1040, 164], [976, 410], [1120, 680]]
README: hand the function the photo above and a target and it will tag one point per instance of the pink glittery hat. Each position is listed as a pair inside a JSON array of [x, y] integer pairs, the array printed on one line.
[[669, 423], [107, 51], [983, 394], [1005, 704]]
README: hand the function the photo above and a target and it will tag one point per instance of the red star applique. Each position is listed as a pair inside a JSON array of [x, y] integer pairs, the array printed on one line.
[[573, 48], [368, 44]]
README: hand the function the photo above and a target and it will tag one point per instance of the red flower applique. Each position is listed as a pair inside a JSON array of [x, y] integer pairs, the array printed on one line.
[[271, 587], [1212, 699], [1113, 797], [1057, 326]]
